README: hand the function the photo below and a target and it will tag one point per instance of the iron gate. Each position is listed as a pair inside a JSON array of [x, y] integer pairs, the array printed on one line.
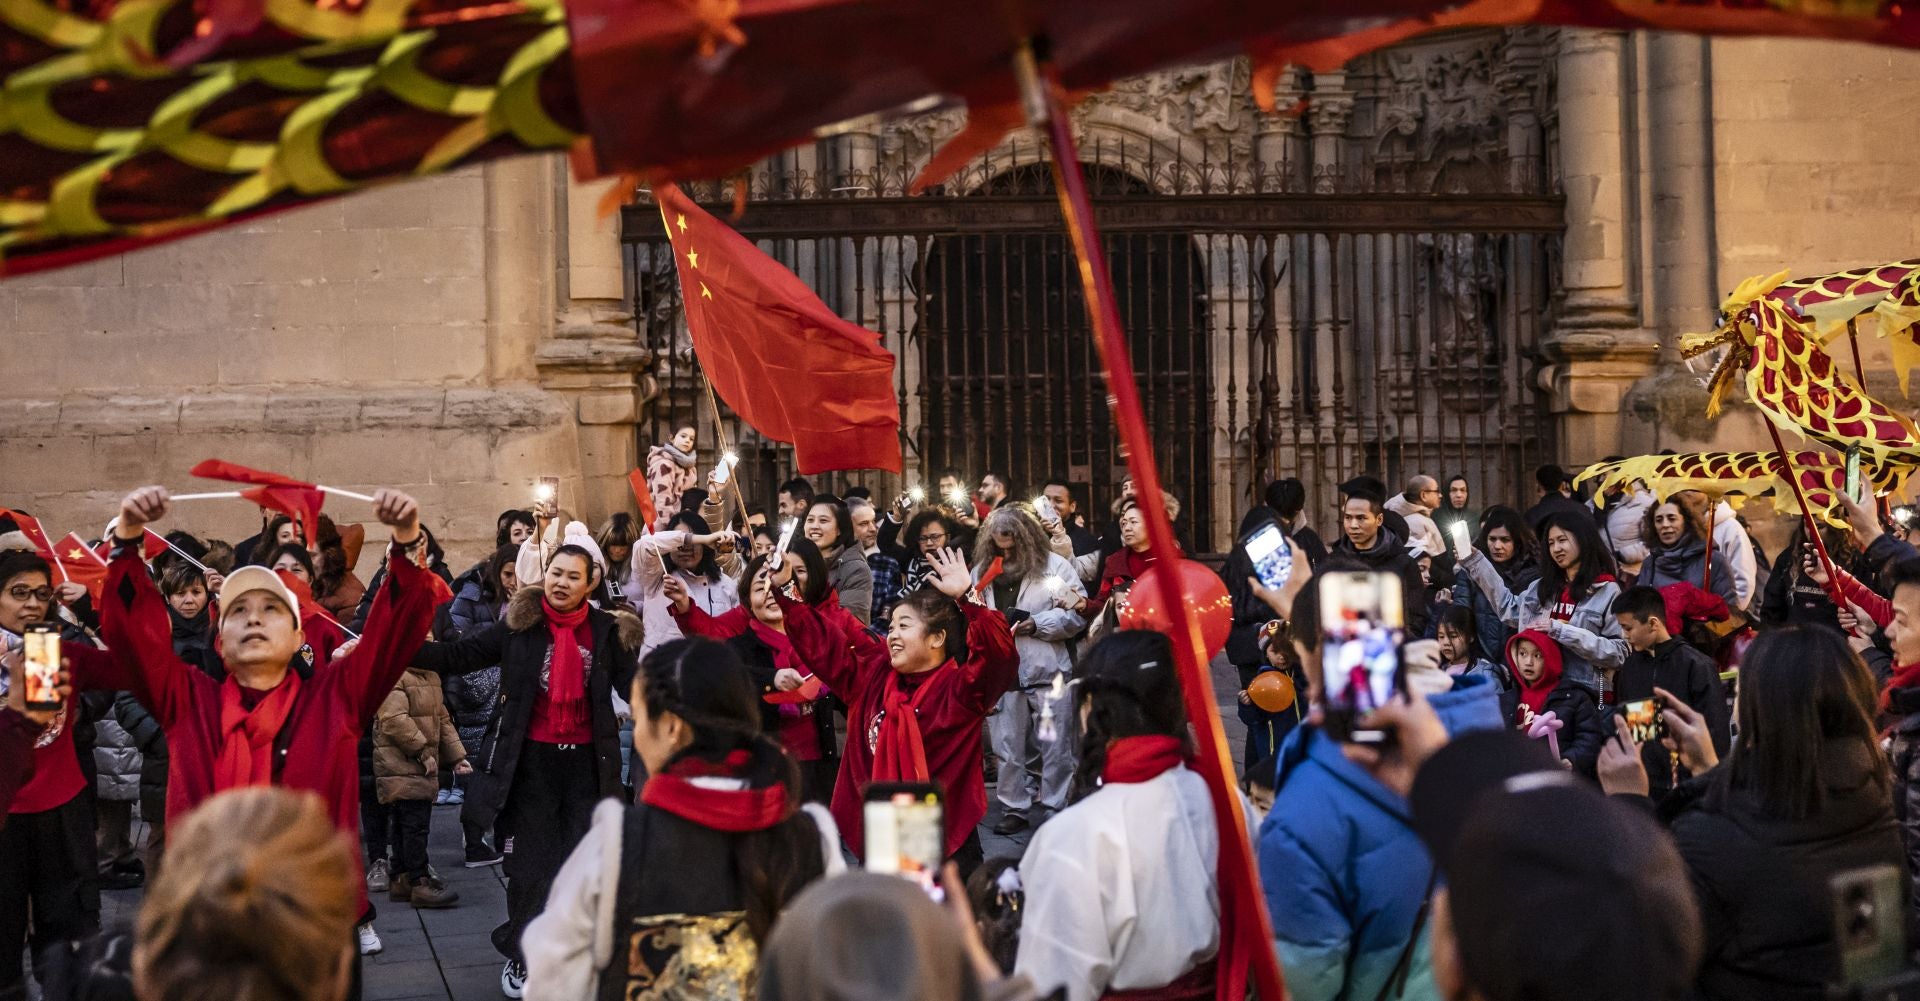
[[1276, 331]]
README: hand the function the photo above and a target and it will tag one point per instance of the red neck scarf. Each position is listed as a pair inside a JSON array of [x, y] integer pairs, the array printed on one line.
[[899, 752], [778, 642], [246, 736], [735, 811], [567, 675], [1903, 677], [1140, 759]]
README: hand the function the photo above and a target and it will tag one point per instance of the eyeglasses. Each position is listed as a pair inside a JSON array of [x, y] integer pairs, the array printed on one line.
[[934, 537], [21, 592]]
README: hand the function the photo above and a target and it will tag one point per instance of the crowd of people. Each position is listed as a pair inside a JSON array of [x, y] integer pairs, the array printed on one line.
[[1628, 755]]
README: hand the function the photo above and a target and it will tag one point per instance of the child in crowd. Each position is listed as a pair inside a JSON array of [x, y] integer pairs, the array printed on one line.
[[412, 736], [1663, 662], [1266, 729], [1535, 660], [997, 898], [1257, 786], [1458, 655], [189, 601]]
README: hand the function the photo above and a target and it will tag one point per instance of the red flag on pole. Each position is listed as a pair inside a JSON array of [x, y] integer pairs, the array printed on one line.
[[297, 499], [27, 525], [79, 564], [643, 497], [786, 363]]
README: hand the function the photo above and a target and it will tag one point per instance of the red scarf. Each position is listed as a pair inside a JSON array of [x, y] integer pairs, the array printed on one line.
[[567, 675], [246, 736], [1140, 759], [899, 752], [1903, 677], [735, 811]]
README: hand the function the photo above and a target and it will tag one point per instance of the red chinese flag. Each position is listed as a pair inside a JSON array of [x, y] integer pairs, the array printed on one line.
[[75, 562], [297, 499], [785, 362], [27, 525], [643, 497]]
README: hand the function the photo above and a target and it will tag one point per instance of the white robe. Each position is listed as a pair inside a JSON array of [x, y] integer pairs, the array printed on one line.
[[1121, 890]]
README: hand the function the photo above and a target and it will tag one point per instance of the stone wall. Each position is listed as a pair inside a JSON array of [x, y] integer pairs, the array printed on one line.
[[386, 338]]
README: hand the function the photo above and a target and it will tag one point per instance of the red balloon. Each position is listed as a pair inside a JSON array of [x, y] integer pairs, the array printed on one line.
[[1147, 604]]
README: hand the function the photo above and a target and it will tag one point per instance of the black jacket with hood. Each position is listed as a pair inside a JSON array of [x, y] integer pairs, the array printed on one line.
[[1389, 555], [521, 646]]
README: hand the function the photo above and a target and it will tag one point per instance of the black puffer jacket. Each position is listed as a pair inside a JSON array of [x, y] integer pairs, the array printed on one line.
[[1762, 882], [1389, 555], [520, 645]]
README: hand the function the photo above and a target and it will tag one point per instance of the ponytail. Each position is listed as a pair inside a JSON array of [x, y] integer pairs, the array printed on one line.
[[1128, 686]]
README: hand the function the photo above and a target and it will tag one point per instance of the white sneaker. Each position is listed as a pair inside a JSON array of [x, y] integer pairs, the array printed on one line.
[[370, 943], [513, 980], [378, 877]]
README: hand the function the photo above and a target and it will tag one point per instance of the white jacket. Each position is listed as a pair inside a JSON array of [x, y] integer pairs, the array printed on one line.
[[1730, 537], [1044, 654], [1624, 520], [572, 940], [645, 587], [1421, 527]]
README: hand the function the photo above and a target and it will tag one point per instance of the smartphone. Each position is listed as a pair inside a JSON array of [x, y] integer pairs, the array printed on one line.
[[1853, 475], [1015, 616], [906, 832], [1271, 557], [1868, 922], [546, 488], [786, 538], [42, 673], [1462, 540], [1644, 722], [723, 470], [1362, 625]]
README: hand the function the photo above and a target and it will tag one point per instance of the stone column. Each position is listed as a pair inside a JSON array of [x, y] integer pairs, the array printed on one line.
[[1330, 110], [1599, 344], [595, 358]]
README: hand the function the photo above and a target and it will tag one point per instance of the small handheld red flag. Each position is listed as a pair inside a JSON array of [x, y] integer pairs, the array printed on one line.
[[297, 499], [786, 363], [26, 525], [77, 563], [643, 498]]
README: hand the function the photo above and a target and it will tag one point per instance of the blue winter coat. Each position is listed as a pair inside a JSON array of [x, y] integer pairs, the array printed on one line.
[[1344, 873]]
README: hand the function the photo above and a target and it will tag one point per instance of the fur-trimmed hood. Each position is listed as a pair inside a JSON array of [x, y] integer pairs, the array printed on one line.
[[524, 613]]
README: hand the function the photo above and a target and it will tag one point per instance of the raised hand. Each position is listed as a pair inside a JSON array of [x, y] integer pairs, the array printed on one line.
[[951, 576], [1686, 733], [139, 509], [1621, 770], [398, 512], [675, 590]]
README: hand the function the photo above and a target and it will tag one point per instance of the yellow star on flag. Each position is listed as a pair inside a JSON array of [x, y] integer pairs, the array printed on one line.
[[74, 554], [681, 221], [705, 292], [693, 259]]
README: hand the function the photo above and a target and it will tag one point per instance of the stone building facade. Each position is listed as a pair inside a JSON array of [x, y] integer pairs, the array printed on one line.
[[464, 335]]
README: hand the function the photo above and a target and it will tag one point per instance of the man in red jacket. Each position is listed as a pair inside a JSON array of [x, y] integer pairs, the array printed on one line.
[[263, 724]]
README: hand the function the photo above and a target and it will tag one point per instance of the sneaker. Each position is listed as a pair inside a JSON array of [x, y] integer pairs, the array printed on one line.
[[480, 856], [1012, 823], [456, 796], [378, 878], [370, 943], [443, 797], [431, 892], [123, 876], [513, 979], [402, 888]]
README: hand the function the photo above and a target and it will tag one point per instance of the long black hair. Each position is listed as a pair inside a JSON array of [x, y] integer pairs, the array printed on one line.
[[1806, 706], [503, 557], [691, 523], [816, 588], [1596, 560], [1128, 686], [705, 684], [503, 526], [910, 535]]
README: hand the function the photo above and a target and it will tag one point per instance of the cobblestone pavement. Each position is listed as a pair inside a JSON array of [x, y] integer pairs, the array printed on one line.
[[447, 955]]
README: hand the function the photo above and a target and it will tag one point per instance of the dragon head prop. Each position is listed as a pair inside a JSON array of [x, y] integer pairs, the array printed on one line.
[[1737, 327]]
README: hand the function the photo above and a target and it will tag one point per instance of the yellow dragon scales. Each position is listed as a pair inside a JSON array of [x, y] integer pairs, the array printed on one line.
[[1776, 340], [1821, 475]]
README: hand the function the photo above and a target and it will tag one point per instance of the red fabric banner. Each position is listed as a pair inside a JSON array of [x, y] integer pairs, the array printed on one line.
[[643, 499], [786, 363], [297, 499]]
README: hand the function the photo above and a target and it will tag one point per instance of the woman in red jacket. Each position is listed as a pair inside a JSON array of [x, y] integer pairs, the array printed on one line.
[[915, 708]]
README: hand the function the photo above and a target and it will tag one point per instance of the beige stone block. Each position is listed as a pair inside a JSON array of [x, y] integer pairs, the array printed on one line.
[[402, 408], [288, 453], [458, 198], [609, 407], [117, 415], [372, 457], [405, 205], [215, 413], [320, 413], [436, 353], [474, 408], [432, 253], [461, 456], [29, 417], [49, 465], [303, 354], [104, 272], [455, 300], [198, 309]]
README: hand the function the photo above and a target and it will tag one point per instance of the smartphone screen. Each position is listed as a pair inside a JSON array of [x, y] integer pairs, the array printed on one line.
[[1643, 720], [1272, 559], [42, 667], [1362, 625], [1461, 541], [1853, 474], [906, 833], [546, 488]]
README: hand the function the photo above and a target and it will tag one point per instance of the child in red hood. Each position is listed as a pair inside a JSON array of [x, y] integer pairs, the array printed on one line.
[[1541, 687]]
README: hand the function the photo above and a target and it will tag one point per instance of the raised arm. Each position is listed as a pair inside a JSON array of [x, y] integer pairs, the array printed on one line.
[[401, 615], [1510, 607], [134, 620], [823, 646], [992, 666], [696, 621], [1606, 649]]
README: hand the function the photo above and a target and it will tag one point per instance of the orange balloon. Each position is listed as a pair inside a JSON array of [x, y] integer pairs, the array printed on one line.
[[1148, 604], [1272, 691]]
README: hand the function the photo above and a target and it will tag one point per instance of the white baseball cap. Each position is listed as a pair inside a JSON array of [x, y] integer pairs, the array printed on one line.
[[256, 578]]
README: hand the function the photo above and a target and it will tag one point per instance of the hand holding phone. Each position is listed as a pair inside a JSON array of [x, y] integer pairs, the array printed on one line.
[[1362, 625], [1462, 542], [1272, 558], [905, 831], [41, 670]]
